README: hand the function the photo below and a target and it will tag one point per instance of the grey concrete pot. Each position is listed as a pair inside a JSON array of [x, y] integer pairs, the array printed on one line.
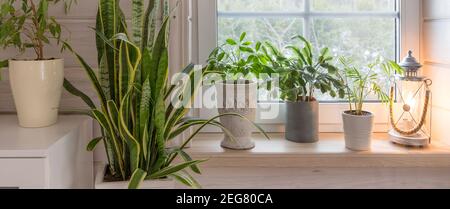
[[302, 122], [238, 98], [358, 130]]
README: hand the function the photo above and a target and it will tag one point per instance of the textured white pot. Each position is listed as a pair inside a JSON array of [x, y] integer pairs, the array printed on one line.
[[147, 184], [358, 131], [36, 88], [237, 98]]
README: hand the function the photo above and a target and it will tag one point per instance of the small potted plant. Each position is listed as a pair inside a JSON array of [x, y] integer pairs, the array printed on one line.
[[361, 83], [36, 83], [239, 63], [301, 75]]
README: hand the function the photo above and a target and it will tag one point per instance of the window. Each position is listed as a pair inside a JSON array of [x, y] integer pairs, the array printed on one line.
[[359, 28]]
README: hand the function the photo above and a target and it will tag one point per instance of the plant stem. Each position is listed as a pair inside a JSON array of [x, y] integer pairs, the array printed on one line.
[[40, 46]]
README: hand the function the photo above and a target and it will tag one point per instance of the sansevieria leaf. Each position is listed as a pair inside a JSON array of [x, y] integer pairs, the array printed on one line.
[[93, 143], [70, 88], [137, 19], [137, 177], [133, 145], [173, 169]]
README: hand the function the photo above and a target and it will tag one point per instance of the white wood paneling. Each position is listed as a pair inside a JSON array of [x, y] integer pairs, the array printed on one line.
[[435, 9], [77, 25], [436, 47], [440, 73], [436, 38]]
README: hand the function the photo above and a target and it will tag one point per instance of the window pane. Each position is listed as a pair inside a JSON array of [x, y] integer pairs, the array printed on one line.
[[353, 5], [362, 39], [277, 30], [260, 5]]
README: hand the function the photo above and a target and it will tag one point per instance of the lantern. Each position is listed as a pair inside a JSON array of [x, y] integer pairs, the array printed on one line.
[[410, 106]]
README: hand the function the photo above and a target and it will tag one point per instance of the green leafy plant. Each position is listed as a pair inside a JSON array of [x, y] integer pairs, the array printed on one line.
[[25, 24], [238, 59], [132, 86], [302, 73], [360, 83]]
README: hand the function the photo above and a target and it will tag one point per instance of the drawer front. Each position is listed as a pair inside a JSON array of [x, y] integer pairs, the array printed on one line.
[[22, 173]]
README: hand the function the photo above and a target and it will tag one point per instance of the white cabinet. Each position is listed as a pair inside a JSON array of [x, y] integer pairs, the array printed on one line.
[[52, 157]]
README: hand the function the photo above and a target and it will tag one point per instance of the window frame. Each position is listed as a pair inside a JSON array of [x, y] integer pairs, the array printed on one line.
[[204, 17]]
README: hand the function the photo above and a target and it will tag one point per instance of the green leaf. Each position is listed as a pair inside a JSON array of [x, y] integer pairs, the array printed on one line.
[[93, 143], [246, 49], [107, 127], [146, 64], [188, 158], [133, 144], [109, 23], [113, 113], [149, 26], [242, 37], [145, 105], [186, 179], [399, 70], [102, 36], [298, 53], [308, 47], [137, 19], [73, 90], [258, 46], [91, 75], [137, 178], [231, 42], [158, 71], [173, 169]]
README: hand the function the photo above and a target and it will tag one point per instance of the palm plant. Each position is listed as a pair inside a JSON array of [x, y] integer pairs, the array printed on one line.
[[360, 83], [133, 90]]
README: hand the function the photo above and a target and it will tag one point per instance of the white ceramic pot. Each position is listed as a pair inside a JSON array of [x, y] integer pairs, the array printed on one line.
[[358, 130], [147, 184], [36, 88], [238, 98]]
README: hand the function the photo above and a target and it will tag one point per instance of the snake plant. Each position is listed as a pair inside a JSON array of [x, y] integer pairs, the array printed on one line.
[[133, 91]]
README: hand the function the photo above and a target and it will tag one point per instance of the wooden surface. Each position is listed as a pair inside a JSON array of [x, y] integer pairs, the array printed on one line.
[[279, 163], [324, 178]]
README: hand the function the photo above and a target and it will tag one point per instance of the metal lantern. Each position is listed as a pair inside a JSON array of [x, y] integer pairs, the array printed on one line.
[[410, 116]]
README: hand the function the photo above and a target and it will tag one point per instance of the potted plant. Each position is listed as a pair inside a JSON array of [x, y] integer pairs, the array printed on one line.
[[135, 113], [301, 75], [360, 83], [36, 83], [239, 63]]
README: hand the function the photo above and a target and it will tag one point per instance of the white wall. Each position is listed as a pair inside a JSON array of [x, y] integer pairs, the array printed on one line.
[[436, 54]]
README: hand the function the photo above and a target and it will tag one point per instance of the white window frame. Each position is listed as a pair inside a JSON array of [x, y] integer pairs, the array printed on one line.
[[204, 40]]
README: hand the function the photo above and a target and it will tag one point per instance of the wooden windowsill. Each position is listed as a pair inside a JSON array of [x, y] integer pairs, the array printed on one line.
[[330, 151]]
